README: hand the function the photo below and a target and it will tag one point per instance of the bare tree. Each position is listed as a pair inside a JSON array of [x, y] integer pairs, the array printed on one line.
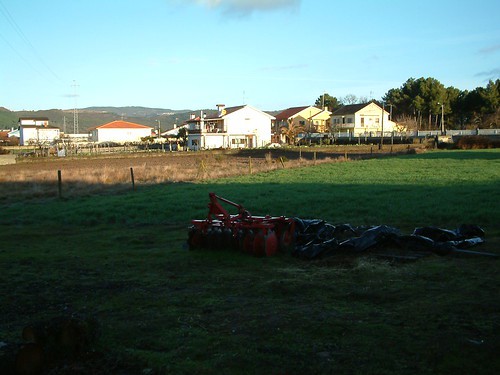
[[349, 99]]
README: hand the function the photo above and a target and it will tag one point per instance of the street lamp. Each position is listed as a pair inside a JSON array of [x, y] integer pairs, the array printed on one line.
[[382, 127], [443, 131]]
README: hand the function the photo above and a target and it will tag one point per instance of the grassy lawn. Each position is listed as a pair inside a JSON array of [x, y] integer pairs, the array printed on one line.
[[162, 309]]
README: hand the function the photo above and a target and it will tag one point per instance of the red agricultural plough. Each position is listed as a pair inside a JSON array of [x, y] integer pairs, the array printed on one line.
[[257, 235]]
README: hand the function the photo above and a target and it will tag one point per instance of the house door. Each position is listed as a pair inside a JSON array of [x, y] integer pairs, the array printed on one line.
[[250, 141]]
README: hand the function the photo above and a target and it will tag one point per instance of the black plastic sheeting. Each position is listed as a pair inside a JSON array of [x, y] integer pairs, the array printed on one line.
[[317, 238]]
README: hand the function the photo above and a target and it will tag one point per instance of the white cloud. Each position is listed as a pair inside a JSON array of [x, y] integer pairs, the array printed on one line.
[[283, 67], [244, 7], [490, 75], [490, 49]]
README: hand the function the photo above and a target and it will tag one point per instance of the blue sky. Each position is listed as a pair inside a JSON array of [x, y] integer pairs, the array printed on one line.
[[271, 54]]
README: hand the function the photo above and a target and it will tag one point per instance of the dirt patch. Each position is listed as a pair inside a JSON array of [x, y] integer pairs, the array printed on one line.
[[7, 159]]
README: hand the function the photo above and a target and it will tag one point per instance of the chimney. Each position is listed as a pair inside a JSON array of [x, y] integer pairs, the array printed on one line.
[[192, 116], [220, 109]]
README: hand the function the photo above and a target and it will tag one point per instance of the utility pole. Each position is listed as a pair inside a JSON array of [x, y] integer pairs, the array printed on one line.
[[159, 128], [443, 130], [75, 110], [382, 132]]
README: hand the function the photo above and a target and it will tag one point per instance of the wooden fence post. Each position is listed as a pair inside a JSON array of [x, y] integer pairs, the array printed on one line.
[[132, 177], [282, 162], [250, 164], [59, 183]]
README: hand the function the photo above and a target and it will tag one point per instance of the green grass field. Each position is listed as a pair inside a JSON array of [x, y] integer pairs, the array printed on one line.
[[163, 309]]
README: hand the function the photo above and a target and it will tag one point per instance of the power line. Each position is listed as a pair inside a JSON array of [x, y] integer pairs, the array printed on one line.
[[19, 31], [22, 57]]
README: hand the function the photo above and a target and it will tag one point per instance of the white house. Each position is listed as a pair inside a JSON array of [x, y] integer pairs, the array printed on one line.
[[233, 127], [36, 121], [36, 130], [362, 119], [32, 134], [120, 132], [172, 133]]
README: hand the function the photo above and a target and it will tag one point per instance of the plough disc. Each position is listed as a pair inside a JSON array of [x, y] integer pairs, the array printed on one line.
[[195, 238], [248, 240], [265, 243], [287, 237]]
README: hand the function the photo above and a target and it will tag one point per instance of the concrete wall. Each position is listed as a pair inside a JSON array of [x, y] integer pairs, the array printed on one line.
[[120, 135]]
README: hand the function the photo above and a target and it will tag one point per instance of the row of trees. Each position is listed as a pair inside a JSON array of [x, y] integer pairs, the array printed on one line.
[[422, 103]]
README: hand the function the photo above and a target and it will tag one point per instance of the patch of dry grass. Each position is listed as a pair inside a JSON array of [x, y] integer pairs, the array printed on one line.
[[41, 179]]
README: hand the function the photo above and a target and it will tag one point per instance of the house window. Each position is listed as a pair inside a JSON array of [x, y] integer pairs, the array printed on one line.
[[302, 123], [362, 122], [238, 141], [194, 142], [377, 120], [349, 120]]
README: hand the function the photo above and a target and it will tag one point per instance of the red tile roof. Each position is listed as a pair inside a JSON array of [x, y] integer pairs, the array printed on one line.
[[121, 125], [287, 113]]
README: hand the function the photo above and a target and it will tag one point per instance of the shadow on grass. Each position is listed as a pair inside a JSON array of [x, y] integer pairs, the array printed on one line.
[[492, 154], [309, 153]]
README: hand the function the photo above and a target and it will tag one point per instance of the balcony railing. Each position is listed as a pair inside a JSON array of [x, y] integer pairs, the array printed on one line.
[[205, 130]]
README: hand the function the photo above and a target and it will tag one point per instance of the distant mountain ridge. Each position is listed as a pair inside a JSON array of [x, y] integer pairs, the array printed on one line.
[[95, 116], [135, 111]]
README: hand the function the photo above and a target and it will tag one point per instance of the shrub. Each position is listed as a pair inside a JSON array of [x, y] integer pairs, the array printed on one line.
[[476, 142]]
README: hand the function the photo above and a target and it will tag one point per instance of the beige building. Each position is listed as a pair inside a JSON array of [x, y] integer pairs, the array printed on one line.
[[362, 119], [302, 117], [321, 121]]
